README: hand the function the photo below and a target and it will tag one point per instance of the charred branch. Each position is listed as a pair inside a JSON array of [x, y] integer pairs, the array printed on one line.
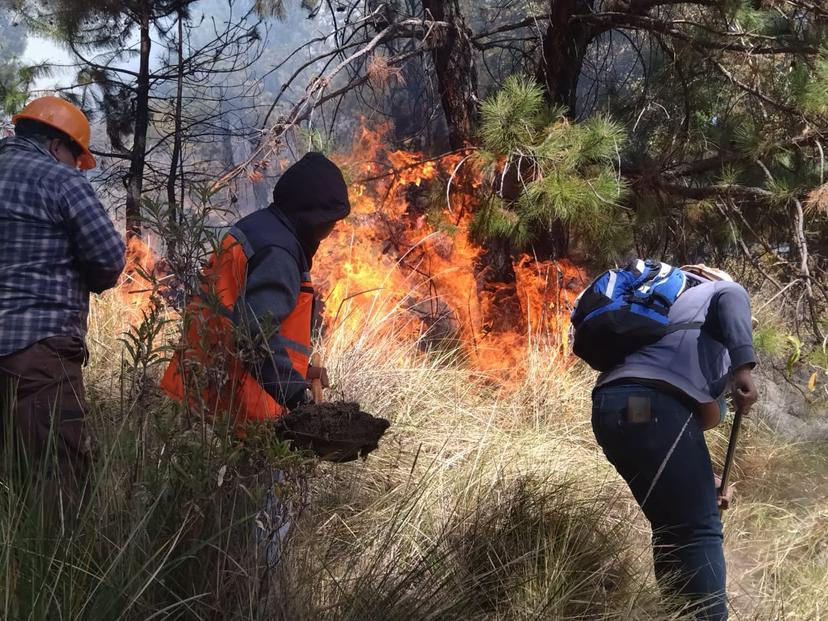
[[716, 163]]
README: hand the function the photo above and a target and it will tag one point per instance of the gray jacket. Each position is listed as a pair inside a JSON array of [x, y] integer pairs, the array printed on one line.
[[697, 361]]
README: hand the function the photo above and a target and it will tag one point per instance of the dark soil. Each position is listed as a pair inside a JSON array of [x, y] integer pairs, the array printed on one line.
[[337, 431]]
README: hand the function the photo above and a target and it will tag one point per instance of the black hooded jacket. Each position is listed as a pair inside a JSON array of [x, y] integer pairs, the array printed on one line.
[[280, 242], [311, 193]]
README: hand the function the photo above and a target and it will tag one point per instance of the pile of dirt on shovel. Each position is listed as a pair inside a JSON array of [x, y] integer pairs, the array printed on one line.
[[337, 431]]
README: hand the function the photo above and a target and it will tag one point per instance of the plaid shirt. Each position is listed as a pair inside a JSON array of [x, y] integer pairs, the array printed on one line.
[[57, 244]]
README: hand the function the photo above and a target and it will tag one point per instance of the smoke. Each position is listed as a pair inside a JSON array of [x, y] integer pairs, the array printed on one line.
[[12, 45], [13, 41]]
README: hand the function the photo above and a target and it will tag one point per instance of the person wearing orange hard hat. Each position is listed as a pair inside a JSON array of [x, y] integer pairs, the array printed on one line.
[[66, 127], [57, 244]]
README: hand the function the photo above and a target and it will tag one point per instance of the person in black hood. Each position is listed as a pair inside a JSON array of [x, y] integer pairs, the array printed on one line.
[[313, 195], [260, 280]]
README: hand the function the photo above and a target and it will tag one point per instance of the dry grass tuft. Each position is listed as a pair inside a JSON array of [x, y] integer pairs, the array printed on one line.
[[817, 200], [381, 71]]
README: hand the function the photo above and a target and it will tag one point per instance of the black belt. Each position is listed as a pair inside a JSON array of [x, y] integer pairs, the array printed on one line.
[[659, 385]]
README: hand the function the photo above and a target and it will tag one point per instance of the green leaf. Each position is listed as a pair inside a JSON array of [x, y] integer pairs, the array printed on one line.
[[511, 117], [813, 96], [602, 140], [495, 221], [795, 346]]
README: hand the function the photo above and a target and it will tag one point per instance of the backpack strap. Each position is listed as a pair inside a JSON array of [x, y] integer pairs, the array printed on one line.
[[688, 325], [649, 274]]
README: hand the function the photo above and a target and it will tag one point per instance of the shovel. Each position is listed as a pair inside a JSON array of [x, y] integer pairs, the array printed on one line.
[[337, 431], [731, 450]]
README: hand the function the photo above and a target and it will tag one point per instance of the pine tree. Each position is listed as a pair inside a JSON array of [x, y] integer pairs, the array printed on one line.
[[89, 27], [546, 171]]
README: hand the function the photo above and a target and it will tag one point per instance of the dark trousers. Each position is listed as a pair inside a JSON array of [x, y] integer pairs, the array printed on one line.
[[42, 405], [657, 446]]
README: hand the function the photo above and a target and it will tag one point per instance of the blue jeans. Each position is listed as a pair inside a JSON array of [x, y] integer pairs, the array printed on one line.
[[676, 493]]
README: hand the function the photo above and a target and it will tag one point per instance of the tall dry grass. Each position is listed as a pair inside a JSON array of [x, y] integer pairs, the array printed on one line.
[[484, 502]]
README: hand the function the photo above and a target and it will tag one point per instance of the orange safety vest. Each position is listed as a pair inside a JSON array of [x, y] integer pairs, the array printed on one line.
[[206, 371]]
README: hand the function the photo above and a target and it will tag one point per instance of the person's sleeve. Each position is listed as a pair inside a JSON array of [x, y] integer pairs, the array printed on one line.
[[730, 320], [270, 296], [98, 247]]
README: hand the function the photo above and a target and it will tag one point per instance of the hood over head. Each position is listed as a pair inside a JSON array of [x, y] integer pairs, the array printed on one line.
[[312, 194]]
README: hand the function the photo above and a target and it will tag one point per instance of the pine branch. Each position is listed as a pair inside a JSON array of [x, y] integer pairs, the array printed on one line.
[[609, 21], [120, 156], [717, 162], [634, 19], [757, 93], [721, 189], [640, 7]]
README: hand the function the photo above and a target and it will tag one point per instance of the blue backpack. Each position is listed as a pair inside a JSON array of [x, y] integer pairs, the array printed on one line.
[[623, 310]]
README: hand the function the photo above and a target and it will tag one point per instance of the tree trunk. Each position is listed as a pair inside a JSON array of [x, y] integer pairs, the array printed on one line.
[[497, 289], [564, 46], [800, 251], [456, 77], [457, 84], [135, 178], [172, 203]]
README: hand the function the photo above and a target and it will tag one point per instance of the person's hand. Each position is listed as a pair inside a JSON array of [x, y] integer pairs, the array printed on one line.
[[744, 390], [320, 373], [723, 500]]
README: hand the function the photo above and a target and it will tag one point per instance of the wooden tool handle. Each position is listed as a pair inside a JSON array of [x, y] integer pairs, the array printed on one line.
[[731, 449], [316, 384], [731, 452]]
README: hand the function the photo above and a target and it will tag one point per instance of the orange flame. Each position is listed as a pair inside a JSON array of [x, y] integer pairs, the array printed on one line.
[[139, 280], [404, 257]]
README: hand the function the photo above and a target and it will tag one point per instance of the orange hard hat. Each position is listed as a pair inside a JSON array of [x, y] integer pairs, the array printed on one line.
[[62, 115]]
